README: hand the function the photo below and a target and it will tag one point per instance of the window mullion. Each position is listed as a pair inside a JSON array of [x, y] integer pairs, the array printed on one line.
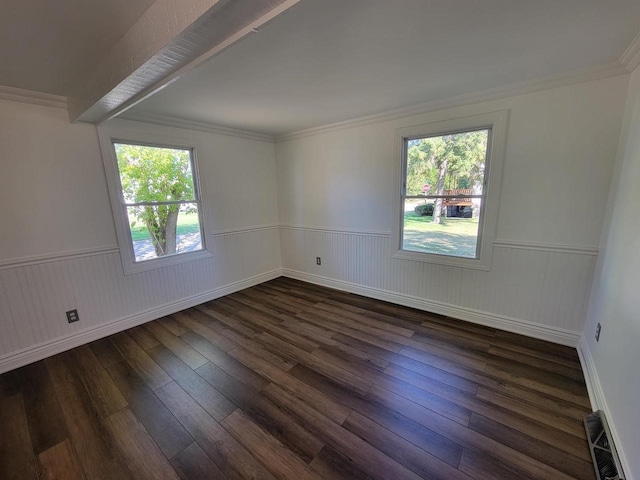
[[421, 197], [151, 204]]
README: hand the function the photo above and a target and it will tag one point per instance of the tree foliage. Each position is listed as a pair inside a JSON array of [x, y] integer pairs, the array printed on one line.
[[446, 162], [156, 174]]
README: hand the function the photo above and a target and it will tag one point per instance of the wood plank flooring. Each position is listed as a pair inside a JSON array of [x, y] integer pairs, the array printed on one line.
[[295, 381]]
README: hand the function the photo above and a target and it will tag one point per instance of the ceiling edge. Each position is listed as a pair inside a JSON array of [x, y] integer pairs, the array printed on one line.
[[176, 122], [586, 75], [631, 56], [30, 96], [124, 78]]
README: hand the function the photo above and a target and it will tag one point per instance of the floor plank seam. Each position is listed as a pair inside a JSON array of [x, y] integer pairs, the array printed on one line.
[[300, 374]]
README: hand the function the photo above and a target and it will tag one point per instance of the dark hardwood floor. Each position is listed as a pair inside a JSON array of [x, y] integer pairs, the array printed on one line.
[[292, 380]]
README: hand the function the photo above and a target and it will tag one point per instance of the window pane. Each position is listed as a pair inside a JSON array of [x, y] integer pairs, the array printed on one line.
[[162, 230], [447, 164], [154, 174], [455, 235]]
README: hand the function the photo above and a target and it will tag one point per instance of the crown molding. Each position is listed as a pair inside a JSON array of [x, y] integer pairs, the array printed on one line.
[[177, 122], [631, 56], [629, 60], [586, 75], [29, 96], [580, 76]]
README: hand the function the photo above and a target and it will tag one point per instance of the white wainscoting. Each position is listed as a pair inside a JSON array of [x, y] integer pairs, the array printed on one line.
[[36, 293], [536, 290]]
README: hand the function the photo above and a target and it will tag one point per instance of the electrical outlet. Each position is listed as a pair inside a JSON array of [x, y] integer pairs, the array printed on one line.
[[72, 316], [318, 261], [598, 328]]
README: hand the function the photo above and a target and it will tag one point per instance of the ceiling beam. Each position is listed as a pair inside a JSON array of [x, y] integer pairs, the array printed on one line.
[[171, 38]]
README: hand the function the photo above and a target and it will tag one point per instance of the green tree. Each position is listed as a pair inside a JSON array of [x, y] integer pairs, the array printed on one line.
[[151, 175], [448, 162]]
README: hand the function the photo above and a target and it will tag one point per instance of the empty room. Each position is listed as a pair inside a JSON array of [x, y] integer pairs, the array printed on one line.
[[319, 239]]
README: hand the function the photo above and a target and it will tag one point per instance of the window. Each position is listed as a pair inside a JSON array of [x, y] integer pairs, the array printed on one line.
[[156, 201], [450, 175], [443, 192]]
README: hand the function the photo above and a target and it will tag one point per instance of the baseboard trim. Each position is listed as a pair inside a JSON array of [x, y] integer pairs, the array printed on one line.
[[598, 400], [523, 327], [46, 349], [596, 394]]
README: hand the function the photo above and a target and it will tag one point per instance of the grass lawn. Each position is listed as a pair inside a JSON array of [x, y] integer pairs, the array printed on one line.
[[455, 236], [187, 223]]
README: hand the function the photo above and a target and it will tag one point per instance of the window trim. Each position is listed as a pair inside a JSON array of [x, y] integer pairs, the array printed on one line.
[[108, 137], [497, 122]]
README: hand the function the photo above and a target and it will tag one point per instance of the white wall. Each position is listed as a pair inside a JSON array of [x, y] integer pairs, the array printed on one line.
[[615, 300], [57, 241], [238, 174], [51, 184], [332, 194], [336, 200]]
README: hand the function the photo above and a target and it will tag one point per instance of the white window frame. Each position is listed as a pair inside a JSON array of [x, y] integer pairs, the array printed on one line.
[[497, 123], [108, 137]]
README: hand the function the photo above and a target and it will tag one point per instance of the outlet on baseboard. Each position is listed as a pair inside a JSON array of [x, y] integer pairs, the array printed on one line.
[[72, 316], [598, 328], [318, 261]]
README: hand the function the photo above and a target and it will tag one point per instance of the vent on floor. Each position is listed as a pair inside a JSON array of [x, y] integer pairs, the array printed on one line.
[[603, 452]]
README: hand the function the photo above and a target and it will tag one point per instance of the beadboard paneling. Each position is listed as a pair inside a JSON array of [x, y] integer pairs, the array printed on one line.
[[35, 297], [536, 286]]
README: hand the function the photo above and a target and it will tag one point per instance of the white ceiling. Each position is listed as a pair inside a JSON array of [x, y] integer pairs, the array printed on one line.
[[47, 45], [325, 61]]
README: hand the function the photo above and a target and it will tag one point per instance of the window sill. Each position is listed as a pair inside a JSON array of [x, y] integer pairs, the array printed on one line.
[[471, 263], [156, 263]]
